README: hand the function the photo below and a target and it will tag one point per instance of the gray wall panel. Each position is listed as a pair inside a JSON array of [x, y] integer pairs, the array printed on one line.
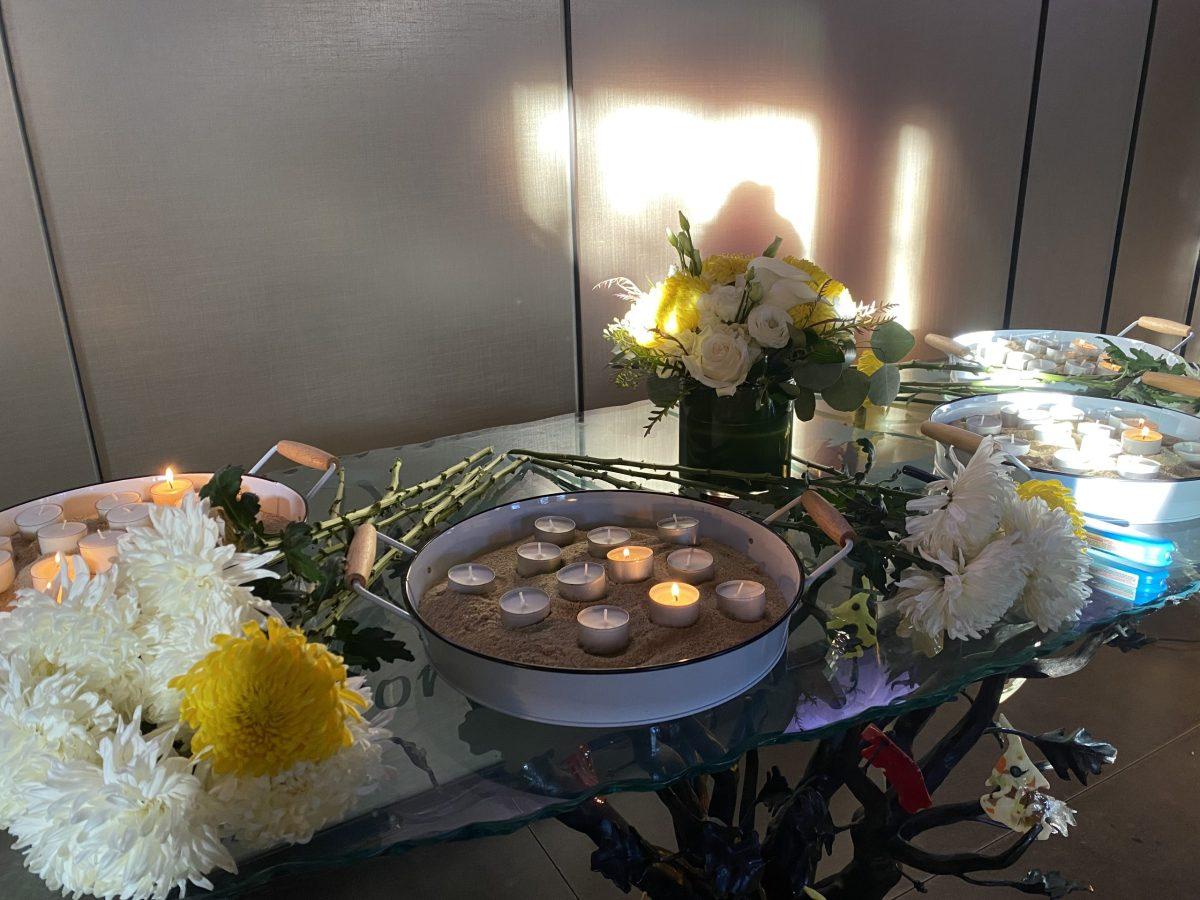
[[43, 435], [342, 223], [886, 136], [1162, 220], [1088, 89]]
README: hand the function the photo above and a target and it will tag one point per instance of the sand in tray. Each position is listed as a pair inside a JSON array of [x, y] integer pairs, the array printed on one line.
[[473, 621]]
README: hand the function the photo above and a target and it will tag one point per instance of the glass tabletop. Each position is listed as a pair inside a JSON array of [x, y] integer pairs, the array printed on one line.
[[459, 769]]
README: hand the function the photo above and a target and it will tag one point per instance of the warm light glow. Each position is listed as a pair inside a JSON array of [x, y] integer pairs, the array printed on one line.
[[675, 590], [170, 476], [651, 154], [625, 553], [542, 135], [910, 207], [1145, 432]]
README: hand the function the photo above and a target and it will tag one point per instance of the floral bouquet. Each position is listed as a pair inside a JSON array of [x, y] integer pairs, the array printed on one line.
[[152, 714], [780, 330]]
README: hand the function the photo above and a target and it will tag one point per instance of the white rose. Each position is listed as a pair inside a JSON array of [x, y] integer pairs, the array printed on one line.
[[720, 358], [783, 284], [769, 325], [720, 305]]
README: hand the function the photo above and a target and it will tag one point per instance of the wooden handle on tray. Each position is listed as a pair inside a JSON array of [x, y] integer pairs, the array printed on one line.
[[832, 522], [1177, 384], [946, 345], [952, 436], [361, 555], [1164, 326], [306, 455]]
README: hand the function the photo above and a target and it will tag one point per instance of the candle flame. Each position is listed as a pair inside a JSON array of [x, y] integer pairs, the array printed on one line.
[[170, 477], [1145, 431], [675, 590], [626, 553]]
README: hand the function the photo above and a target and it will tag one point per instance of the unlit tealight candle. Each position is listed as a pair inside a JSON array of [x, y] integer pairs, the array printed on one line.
[[537, 558], [692, 565], [34, 517], [603, 630], [676, 529], [1099, 445], [471, 578], [607, 537], [628, 565], [555, 530], [1073, 461], [582, 582], [1131, 466], [99, 550], [129, 516], [674, 604], [985, 424], [7, 570], [61, 537], [113, 500], [743, 600], [1029, 418], [522, 607]]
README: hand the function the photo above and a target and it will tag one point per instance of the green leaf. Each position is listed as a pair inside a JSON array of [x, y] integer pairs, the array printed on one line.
[[885, 384], [366, 648], [774, 248], [239, 510], [891, 342], [296, 544], [817, 376], [848, 392], [672, 240], [804, 403], [823, 351], [664, 391], [683, 222]]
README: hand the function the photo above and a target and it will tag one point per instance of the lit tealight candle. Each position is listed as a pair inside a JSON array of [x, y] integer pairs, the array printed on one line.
[[99, 550], [111, 501], [691, 565], [984, 424], [129, 516], [1120, 420], [171, 490], [1144, 441], [7, 570], [35, 517], [537, 558], [1085, 348], [557, 530], [582, 582], [47, 573], [676, 529], [1132, 466], [608, 537], [471, 578], [674, 604], [603, 630], [627, 565], [61, 537], [524, 606], [743, 600]]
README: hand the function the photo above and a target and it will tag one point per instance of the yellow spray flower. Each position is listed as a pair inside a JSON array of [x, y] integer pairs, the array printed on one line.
[[677, 307], [868, 363], [831, 289], [1057, 496], [262, 702], [813, 315], [723, 268], [810, 268]]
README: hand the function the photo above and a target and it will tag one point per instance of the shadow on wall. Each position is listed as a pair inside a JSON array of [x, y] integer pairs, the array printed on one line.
[[747, 222]]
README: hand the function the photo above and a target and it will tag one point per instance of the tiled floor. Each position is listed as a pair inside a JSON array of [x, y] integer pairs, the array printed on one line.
[[1135, 837]]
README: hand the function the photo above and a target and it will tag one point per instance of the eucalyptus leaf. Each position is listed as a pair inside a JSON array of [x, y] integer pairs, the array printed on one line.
[[817, 376], [804, 403], [885, 384], [664, 391], [891, 342], [823, 351], [848, 392]]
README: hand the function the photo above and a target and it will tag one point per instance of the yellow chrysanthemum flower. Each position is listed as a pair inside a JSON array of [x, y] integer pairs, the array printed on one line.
[[677, 307], [812, 315], [810, 268], [723, 268], [1057, 496], [868, 363], [831, 289], [262, 702]]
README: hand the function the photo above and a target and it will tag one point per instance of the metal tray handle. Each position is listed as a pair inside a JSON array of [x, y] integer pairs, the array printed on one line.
[[302, 455], [1160, 326], [829, 520], [360, 558], [948, 345]]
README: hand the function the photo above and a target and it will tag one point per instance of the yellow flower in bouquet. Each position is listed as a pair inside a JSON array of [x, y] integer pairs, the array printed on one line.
[[810, 268], [814, 315], [724, 268], [1057, 496], [262, 702], [677, 309]]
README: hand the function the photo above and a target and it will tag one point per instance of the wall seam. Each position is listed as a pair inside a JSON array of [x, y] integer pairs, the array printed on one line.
[[1129, 157], [55, 280], [573, 202], [1026, 155]]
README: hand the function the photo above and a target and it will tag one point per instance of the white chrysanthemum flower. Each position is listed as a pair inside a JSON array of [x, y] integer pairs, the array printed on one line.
[[960, 514], [43, 718], [135, 823], [967, 598], [263, 811], [180, 562], [1056, 590], [92, 634]]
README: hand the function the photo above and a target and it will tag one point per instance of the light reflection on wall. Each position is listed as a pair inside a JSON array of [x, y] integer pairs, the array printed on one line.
[[542, 146], [910, 208], [650, 152]]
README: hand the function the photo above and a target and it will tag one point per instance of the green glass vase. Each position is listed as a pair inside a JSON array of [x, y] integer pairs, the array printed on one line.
[[734, 433]]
